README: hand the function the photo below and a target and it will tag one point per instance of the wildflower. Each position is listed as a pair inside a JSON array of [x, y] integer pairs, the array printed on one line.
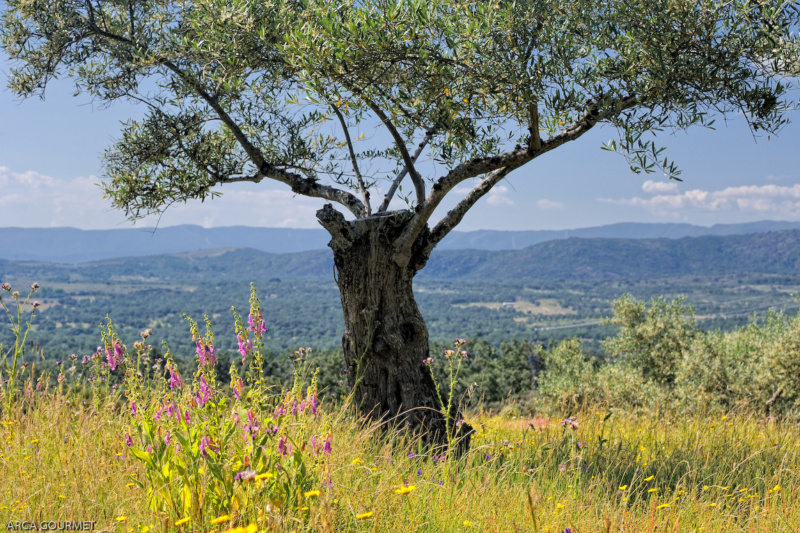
[[128, 440], [246, 475], [34, 287], [562, 467], [238, 389], [649, 478], [283, 449], [776, 488], [183, 521], [458, 424], [326, 446], [175, 379], [245, 345], [121, 518], [571, 422], [221, 519], [623, 487], [166, 438], [205, 393], [311, 494], [467, 523], [427, 361], [265, 475], [662, 506], [206, 353], [410, 455], [6, 287], [405, 489], [133, 408], [362, 516], [207, 444], [652, 490], [356, 461]]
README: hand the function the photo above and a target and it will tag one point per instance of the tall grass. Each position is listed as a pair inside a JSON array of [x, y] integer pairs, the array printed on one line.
[[62, 459]]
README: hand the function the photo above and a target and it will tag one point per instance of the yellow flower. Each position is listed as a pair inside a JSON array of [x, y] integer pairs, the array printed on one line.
[[121, 518], [265, 475], [467, 523], [663, 505], [356, 461], [406, 489], [776, 488], [252, 528], [129, 485], [364, 515], [652, 490], [623, 487], [221, 519], [649, 478], [182, 521], [311, 493]]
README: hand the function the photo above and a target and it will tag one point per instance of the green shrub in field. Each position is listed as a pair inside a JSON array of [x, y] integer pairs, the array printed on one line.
[[569, 376], [652, 339]]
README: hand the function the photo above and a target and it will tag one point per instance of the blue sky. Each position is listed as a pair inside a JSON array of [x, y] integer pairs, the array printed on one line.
[[50, 163]]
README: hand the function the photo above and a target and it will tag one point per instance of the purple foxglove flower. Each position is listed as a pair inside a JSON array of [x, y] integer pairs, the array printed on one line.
[[327, 445], [186, 417], [244, 346], [149, 449], [133, 408], [128, 440], [166, 438], [282, 448], [175, 379], [205, 393], [313, 407], [238, 389], [206, 445], [294, 408]]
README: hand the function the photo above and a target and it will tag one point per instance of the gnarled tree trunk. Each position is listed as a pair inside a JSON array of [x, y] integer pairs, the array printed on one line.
[[386, 340]]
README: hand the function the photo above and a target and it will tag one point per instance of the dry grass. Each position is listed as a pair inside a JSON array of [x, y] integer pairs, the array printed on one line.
[[63, 460]]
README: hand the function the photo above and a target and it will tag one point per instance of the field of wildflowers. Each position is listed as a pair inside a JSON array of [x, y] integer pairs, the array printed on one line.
[[128, 442]]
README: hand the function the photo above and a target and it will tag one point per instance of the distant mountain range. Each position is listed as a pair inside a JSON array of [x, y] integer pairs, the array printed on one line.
[[71, 245], [776, 252]]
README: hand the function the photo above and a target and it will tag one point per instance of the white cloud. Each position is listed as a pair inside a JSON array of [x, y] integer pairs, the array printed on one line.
[[654, 187], [768, 199], [549, 204], [31, 199], [497, 196]]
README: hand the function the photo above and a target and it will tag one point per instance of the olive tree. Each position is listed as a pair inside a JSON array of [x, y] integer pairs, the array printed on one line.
[[253, 90]]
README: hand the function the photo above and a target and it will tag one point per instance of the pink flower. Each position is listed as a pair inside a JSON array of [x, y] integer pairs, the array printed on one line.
[[128, 440], [238, 389], [175, 379], [206, 353], [206, 445], [283, 449], [205, 393], [133, 408]]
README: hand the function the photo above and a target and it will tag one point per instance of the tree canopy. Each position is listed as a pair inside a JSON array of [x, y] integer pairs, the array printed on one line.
[[242, 90]]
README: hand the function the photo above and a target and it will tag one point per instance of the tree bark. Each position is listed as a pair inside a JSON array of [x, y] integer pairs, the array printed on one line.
[[386, 340]]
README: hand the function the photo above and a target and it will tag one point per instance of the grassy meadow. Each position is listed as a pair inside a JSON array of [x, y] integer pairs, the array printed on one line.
[[652, 441], [62, 460]]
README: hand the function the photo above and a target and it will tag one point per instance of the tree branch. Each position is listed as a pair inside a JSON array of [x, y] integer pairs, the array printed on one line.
[[333, 221], [455, 215], [402, 174], [510, 160], [419, 184], [534, 141], [359, 178], [299, 184]]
